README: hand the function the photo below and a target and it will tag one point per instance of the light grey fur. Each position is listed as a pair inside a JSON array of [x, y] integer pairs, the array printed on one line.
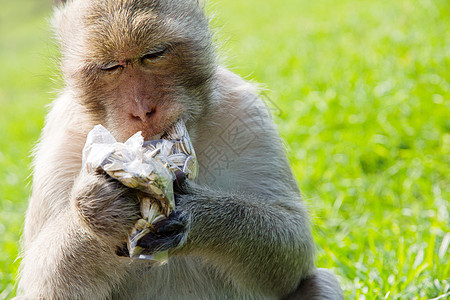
[[248, 234]]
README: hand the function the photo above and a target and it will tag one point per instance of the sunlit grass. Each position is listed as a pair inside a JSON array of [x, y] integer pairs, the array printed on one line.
[[361, 91]]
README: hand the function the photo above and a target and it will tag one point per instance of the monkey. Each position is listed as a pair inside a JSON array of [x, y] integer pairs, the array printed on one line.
[[240, 231]]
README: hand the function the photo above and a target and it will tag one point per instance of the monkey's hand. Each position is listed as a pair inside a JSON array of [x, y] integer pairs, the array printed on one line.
[[168, 233], [107, 207], [248, 236]]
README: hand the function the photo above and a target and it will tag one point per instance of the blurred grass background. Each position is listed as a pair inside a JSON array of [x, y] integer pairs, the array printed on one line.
[[361, 96]]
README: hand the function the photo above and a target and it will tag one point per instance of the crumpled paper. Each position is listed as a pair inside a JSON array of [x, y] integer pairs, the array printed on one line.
[[149, 166]]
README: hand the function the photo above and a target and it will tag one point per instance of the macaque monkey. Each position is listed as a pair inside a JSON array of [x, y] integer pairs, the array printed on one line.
[[240, 231]]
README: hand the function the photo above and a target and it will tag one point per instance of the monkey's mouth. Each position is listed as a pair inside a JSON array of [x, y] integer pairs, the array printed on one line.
[[165, 133], [156, 136]]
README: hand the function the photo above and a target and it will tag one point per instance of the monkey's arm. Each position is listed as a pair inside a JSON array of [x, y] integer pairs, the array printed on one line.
[[246, 216], [65, 261], [64, 257], [264, 245], [70, 259]]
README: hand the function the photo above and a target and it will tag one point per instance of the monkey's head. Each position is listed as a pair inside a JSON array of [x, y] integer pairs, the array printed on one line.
[[136, 65]]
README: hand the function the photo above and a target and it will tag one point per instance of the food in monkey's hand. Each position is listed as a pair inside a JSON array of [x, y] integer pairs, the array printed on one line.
[[148, 166]]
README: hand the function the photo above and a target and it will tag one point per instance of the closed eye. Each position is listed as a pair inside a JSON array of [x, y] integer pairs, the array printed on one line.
[[155, 54], [112, 67]]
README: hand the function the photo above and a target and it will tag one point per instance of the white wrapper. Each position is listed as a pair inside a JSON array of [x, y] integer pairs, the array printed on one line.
[[147, 166]]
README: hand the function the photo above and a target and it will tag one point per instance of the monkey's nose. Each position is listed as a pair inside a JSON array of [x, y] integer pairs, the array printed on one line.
[[143, 113], [144, 116]]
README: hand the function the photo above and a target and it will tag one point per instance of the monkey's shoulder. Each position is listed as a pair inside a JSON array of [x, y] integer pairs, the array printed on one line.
[[240, 145]]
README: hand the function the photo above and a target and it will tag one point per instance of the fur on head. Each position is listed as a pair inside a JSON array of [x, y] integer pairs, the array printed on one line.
[[93, 34]]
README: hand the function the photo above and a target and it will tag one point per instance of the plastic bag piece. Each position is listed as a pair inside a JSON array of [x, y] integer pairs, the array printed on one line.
[[99, 145], [148, 166]]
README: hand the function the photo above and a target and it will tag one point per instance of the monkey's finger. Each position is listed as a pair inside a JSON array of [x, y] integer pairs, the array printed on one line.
[[154, 243], [174, 223], [122, 251], [180, 179]]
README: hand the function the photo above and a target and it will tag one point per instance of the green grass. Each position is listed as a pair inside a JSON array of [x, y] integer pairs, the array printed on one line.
[[361, 91]]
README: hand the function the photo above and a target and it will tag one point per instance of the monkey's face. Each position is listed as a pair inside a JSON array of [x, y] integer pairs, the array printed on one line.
[[138, 65]]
